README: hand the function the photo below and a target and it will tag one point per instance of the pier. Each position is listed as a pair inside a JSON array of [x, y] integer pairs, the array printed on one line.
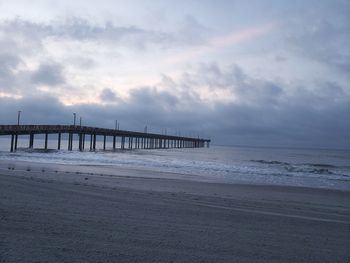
[[128, 139]]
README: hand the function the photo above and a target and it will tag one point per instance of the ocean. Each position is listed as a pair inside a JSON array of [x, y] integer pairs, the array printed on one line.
[[317, 168]]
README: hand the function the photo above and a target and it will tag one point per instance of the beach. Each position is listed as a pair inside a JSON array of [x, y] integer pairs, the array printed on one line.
[[70, 213]]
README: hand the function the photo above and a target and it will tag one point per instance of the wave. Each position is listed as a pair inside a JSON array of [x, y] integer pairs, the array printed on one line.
[[270, 162], [293, 168], [37, 150], [318, 166], [306, 168], [321, 165]]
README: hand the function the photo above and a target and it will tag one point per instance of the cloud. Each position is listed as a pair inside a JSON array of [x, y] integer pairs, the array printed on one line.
[[223, 41], [8, 63], [49, 74], [322, 35], [307, 116], [108, 95], [78, 29]]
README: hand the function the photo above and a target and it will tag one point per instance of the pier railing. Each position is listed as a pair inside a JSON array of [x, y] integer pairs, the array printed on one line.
[[139, 140]]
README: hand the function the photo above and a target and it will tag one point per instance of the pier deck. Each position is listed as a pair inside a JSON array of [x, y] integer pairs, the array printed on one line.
[[138, 140]]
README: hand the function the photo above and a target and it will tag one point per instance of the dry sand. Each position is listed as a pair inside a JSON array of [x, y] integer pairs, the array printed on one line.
[[55, 213]]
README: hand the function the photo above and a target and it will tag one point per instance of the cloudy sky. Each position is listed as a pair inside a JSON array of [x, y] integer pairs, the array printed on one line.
[[267, 73]]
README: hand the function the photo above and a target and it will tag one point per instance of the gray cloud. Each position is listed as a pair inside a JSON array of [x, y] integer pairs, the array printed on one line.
[[49, 74], [76, 28], [148, 97], [322, 34], [108, 95], [8, 63]]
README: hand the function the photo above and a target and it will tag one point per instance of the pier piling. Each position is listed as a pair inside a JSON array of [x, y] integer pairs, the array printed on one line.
[[31, 140], [46, 139], [59, 141]]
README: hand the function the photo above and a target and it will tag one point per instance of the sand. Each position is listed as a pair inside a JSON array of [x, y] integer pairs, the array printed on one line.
[[55, 213]]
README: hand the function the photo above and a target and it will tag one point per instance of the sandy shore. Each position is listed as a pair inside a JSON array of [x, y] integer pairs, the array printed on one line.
[[55, 213]]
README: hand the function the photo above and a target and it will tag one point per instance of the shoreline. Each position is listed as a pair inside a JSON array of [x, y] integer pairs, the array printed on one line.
[[137, 172]]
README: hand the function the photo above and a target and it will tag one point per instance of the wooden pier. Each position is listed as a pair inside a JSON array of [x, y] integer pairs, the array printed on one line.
[[128, 139]]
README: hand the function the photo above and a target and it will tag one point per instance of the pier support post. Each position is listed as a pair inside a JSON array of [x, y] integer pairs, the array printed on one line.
[[94, 142], [83, 141], [123, 143], [12, 141], [80, 141], [104, 142], [70, 142], [46, 139], [16, 140], [114, 138], [31, 140], [59, 141]]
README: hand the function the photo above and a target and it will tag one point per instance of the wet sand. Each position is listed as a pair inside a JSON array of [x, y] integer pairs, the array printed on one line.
[[55, 213]]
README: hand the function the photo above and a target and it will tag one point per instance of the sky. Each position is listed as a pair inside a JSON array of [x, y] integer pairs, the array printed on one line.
[[256, 73]]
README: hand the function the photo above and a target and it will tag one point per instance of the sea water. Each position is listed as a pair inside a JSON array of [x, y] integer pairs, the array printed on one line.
[[320, 168]]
